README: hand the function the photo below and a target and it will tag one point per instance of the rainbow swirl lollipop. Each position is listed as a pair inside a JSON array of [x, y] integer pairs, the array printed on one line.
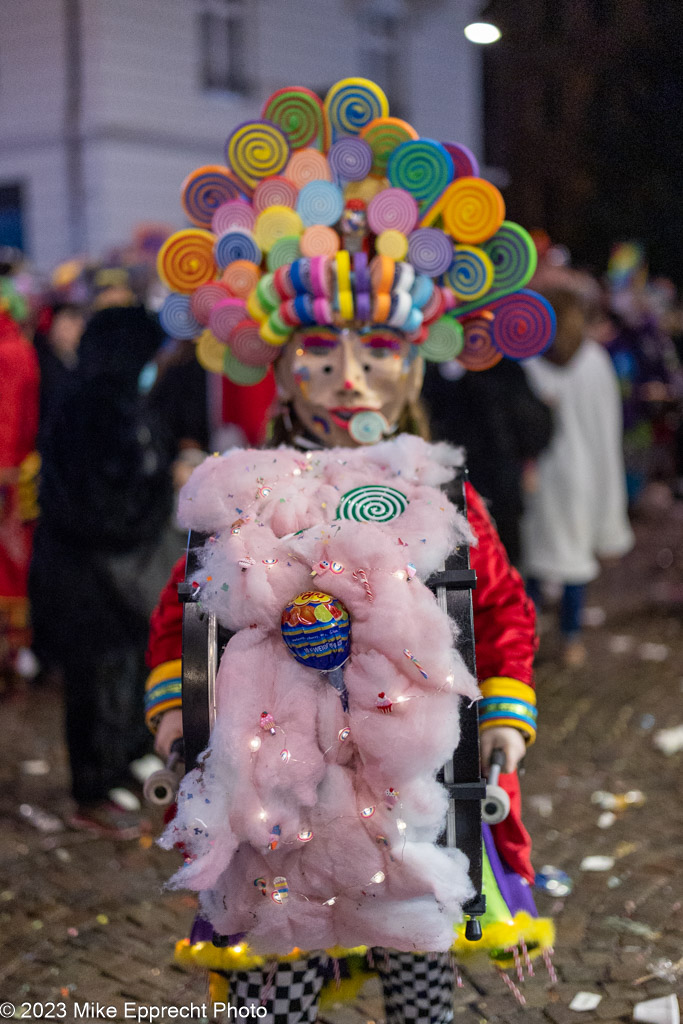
[[177, 319], [236, 213], [239, 373], [430, 251], [320, 202], [307, 165], [247, 345], [204, 190], [479, 352], [384, 135], [236, 245], [352, 104], [393, 209], [350, 159], [473, 210], [513, 255], [284, 252], [186, 260], [471, 275], [300, 114], [256, 150], [523, 325], [276, 191], [444, 341], [224, 317], [205, 298]]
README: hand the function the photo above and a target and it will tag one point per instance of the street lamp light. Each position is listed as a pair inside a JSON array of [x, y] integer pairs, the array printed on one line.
[[482, 32]]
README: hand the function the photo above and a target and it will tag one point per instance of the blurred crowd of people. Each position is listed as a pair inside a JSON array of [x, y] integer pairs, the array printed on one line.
[[102, 418]]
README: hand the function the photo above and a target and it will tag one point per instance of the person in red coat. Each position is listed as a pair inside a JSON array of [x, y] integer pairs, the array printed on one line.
[[19, 400]]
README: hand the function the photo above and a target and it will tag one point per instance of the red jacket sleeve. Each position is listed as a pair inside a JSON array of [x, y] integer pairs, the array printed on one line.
[[504, 617], [166, 624]]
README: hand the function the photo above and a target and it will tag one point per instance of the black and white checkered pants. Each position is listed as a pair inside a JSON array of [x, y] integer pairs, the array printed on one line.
[[417, 987]]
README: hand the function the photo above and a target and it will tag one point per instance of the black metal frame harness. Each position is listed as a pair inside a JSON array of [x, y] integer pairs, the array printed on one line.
[[204, 641]]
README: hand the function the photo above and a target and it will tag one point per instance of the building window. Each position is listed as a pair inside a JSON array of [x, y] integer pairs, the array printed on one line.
[[11, 216], [223, 46]]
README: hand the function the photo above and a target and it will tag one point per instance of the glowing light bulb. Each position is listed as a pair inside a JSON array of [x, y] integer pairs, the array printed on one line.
[[401, 825], [482, 32], [263, 815], [330, 903], [378, 877], [255, 743], [402, 700], [450, 679], [237, 949], [399, 575]]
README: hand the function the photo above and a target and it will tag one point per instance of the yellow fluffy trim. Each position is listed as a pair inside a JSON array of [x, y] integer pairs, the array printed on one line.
[[240, 958], [537, 932]]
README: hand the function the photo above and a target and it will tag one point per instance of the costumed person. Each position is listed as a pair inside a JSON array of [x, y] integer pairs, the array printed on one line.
[[19, 465], [341, 248], [99, 557], [578, 511]]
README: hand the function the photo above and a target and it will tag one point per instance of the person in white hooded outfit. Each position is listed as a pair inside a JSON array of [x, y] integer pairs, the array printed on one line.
[[577, 511]]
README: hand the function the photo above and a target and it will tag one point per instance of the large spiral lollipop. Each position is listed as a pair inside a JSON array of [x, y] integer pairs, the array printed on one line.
[[186, 260], [300, 114], [352, 103], [256, 150], [177, 319], [422, 167], [204, 190], [471, 275], [384, 135], [372, 503]]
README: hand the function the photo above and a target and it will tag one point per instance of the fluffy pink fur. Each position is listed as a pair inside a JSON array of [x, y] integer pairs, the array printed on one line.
[[377, 879]]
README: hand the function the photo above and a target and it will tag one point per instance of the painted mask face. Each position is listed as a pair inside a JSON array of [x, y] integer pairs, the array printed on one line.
[[331, 375]]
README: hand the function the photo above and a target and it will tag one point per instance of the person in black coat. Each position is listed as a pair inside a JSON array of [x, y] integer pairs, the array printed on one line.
[[501, 424], [106, 500]]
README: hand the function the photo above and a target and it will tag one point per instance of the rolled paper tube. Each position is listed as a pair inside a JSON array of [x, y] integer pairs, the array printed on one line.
[[234, 214], [471, 274], [322, 311], [434, 307], [299, 275], [255, 150], [342, 266], [236, 245], [289, 314], [241, 277], [392, 243], [401, 305], [444, 341], [210, 352], [278, 326], [345, 301], [393, 209], [186, 260], [430, 251], [464, 161], [350, 159], [353, 103], [384, 135], [479, 352], [268, 295], [422, 290], [414, 324], [205, 298], [204, 191], [320, 202], [255, 309], [247, 345], [363, 306], [361, 274], [269, 336], [300, 114], [319, 240], [225, 315], [177, 319], [423, 168], [320, 276], [473, 210], [404, 277], [284, 252], [307, 165], [381, 307], [282, 285], [514, 257], [276, 191], [382, 273], [303, 305], [274, 223], [523, 326], [239, 373]]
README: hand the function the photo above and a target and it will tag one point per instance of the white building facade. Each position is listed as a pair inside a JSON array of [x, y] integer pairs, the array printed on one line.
[[106, 105]]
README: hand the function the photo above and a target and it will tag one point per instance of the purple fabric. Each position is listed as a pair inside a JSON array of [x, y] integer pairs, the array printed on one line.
[[202, 931], [513, 888]]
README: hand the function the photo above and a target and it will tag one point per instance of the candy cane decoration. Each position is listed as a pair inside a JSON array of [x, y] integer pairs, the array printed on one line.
[[527, 958], [512, 987], [360, 576]]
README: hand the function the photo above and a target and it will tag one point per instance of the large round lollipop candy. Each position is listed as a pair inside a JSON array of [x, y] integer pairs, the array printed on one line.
[[384, 135], [479, 352], [353, 103], [299, 113], [523, 325], [256, 150], [316, 629], [204, 191], [177, 319], [186, 260]]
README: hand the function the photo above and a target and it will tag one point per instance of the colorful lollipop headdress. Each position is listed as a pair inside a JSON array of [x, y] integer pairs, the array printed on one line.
[[330, 212]]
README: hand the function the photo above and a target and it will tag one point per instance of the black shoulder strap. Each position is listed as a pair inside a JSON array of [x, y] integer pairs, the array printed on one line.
[[462, 776]]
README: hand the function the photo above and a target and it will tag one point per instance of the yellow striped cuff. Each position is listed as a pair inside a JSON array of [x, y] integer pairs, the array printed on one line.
[[508, 703]]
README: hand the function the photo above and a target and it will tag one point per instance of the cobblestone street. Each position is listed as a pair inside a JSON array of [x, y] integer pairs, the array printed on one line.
[[87, 920]]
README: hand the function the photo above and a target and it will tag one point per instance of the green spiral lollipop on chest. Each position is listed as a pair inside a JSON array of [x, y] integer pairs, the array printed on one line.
[[372, 503]]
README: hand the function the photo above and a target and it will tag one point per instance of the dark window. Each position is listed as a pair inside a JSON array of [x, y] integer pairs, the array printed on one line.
[[223, 47], [11, 216]]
